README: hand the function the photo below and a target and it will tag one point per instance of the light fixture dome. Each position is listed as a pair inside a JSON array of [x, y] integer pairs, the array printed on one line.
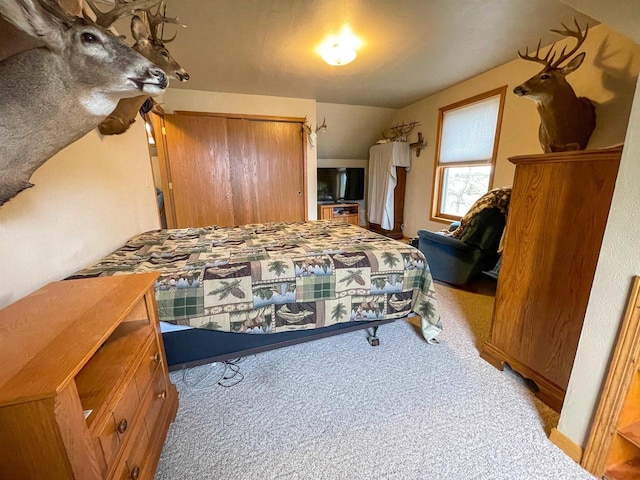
[[338, 54], [338, 50]]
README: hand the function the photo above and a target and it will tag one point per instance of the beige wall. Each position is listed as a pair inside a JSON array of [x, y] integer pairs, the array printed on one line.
[[87, 201], [199, 101], [607, 76]]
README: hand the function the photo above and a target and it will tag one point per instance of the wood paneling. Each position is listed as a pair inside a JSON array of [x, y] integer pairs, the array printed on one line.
[[557, 215]]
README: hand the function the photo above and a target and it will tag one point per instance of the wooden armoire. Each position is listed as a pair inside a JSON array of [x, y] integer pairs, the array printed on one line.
[[557, 216], [221, 169]]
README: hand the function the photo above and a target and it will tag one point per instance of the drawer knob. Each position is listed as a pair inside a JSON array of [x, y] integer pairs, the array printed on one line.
[[123, 425], [162, 394], [135, 473], [156, 357]]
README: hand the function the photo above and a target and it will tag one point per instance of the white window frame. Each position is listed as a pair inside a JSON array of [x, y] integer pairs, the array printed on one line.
[[437, 213]]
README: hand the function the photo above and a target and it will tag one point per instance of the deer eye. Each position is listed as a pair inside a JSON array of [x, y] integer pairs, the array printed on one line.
[[545, 76], [164, 53], [88, 37]]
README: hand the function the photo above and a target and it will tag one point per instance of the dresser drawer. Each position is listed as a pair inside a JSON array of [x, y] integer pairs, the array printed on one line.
[[127, 415], [119, 424], [158, 393], [131, 464], [151, 359]]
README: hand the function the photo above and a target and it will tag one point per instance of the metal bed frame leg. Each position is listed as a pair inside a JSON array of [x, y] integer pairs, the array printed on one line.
[[374, 341]]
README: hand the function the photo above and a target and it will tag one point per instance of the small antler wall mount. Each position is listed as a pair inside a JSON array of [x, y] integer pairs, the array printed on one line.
[[311, 133], [566, 120], [400, 132]]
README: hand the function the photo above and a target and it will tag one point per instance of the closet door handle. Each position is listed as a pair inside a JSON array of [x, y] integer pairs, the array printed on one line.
[[135, 473], [123, 425], [299, 193]]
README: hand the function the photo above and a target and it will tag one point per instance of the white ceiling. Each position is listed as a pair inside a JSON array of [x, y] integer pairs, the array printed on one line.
[[412, 48]]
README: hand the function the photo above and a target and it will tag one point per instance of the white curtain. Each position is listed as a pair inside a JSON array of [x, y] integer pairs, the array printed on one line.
[[383, 160]]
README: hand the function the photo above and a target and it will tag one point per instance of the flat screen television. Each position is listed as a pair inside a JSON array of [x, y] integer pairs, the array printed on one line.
[[341, 184]]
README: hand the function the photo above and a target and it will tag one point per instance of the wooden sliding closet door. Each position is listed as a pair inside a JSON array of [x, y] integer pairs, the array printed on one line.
[[227, 170], [199, 170], [267, 170]]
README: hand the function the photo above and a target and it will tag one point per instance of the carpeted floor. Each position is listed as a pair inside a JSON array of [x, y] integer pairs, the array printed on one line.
[[338, 408]]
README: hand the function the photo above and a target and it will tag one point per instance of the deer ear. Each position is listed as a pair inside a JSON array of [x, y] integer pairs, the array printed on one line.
[[573, 64], [34, 21], [139, 31]]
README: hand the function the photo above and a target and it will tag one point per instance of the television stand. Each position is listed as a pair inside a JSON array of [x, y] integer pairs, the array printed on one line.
[[340, 212]]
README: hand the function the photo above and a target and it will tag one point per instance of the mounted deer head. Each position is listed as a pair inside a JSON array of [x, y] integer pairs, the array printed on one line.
[[150, 44], [53, 95], [566, 121]]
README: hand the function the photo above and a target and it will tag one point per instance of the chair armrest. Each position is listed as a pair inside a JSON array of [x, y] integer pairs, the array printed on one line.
[[437, 238]]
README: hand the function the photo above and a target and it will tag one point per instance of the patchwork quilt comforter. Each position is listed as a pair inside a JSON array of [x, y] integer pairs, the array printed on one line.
[[274, 277]]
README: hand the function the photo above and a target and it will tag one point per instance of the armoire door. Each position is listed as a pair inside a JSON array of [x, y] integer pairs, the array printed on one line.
[[200, 175], [267, 170]]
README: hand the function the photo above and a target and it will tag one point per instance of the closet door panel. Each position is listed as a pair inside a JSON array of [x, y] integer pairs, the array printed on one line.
[[200, 172], [267, 170]]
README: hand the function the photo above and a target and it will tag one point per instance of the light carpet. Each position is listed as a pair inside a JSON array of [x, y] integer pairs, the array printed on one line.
[[338, 408]]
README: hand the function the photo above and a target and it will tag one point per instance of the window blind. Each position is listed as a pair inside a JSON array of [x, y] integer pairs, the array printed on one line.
[[468, 133]]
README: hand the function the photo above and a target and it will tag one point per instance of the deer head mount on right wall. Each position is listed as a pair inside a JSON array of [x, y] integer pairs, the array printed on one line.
[[566, 120]]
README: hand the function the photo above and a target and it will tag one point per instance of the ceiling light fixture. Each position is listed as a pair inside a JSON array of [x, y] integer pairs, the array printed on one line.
[[340, 49]]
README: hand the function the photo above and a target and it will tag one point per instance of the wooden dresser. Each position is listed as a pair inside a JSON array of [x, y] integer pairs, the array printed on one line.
[[557, 216], [84, 388], [340, 212]]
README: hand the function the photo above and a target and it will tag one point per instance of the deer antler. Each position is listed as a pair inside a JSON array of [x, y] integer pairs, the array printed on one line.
[[157, 19], [324, 125], [537, 58], [567, 32], [54, 8], [549, 59], [121, 8]]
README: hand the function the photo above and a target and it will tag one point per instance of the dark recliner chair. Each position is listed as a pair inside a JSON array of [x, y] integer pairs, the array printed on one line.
[[458, 260]]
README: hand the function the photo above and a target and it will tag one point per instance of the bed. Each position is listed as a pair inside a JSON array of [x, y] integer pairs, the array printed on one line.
[[280, 282]]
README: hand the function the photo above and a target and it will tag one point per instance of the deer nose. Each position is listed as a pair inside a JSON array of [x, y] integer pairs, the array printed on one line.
[[520, 90], [182, 76], [160, 76]]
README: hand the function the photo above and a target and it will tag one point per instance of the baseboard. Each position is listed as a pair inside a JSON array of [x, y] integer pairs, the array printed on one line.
[[564, 443]]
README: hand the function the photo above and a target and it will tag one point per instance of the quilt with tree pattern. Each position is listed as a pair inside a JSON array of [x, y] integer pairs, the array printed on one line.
[[275, 277]]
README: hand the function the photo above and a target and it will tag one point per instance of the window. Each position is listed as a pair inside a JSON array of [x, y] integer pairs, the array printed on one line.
[[466, 153]]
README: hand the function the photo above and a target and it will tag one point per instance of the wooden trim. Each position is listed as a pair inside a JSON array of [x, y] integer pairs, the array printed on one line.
[[564, 443], [436, 209], [305, 173], [612, 153], [242, 116], [157, 122], [476, 98], [436, 184], [621, 371]]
